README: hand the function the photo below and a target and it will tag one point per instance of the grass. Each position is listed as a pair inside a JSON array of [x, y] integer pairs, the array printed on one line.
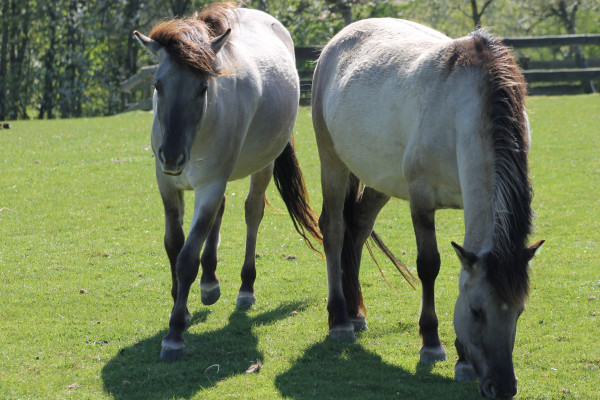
[[84, 282]]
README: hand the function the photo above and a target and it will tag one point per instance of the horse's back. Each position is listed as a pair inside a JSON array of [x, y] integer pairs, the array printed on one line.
[[262, 33], [258, 96], [382, 95]]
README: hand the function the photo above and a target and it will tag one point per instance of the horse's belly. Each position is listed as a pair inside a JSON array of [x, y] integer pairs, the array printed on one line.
[[388, 164], [375, 161]]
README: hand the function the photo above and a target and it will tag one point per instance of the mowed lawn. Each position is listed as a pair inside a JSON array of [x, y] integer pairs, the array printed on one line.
[[85, 286]]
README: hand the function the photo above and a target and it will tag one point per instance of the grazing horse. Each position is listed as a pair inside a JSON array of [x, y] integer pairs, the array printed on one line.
[[441, 123], [225, 102]]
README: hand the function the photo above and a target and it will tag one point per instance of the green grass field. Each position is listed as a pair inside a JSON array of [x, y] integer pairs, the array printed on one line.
[[84, 281]]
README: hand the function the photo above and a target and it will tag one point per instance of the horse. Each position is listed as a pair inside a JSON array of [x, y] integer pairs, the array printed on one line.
[[225, 101], [410, 113]]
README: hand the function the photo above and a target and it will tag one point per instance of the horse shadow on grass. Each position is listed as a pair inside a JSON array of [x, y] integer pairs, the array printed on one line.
[[209, 357], [338, 370]]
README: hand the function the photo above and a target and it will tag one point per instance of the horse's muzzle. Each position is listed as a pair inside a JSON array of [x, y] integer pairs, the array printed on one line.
[[491, 389], [172, 164]]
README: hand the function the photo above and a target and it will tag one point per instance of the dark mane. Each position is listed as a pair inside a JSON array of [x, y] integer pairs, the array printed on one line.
[[507, 261], [188, 40]]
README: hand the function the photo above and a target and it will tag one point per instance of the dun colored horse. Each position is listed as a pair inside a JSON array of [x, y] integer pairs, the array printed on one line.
[[225, 102], [441, 123]]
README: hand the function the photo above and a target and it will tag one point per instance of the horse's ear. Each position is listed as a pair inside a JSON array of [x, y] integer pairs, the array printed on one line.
[[467, 259], [531, 250], [148, 43], [217, 43]]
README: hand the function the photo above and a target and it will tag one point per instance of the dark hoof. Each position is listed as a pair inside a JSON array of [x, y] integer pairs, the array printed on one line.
[[210, 293], [343, 333], [360, 323], [170, 355], [171, 349], [431, 355], [245, 300]]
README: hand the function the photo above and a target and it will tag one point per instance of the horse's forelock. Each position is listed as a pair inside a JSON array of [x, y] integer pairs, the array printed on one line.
[[188, 40]]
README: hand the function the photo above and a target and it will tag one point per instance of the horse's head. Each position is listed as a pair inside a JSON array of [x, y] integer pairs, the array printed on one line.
[[186, 55], [485, 322]]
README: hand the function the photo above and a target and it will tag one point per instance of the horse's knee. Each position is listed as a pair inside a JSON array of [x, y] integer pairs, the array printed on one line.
[[428, 266]]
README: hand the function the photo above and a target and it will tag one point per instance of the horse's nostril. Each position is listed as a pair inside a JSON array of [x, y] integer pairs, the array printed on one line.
[[489, 388], [161, 155]]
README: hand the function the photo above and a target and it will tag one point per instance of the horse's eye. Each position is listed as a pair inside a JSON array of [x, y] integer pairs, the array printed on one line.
[[157, 85], [203, 90], [478, 314]]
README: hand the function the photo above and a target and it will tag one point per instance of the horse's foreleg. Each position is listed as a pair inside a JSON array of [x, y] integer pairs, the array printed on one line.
[[255, 209], [206, 208], [360, 218], [174, 237], [463, 370], [428, 267], [210, 290]]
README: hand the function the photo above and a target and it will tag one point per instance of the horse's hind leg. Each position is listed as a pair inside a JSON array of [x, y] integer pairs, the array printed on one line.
[[360, 214], [255, 209], [210, 289], [428, 267], [334, 181]]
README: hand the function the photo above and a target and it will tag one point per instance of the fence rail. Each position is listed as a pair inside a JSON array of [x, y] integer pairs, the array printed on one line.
[[534, 71], [562, 75], [552, 41]]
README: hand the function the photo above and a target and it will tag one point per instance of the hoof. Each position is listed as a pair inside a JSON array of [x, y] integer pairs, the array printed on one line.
[[464, 372], [343, 333], [170, 355], [171, 351], [210, 293], [245, 300], [431, 355], [360, 323]]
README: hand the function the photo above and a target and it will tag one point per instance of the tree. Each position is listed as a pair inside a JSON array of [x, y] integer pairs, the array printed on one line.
[[565, 12], [4, 57], [477, 13], [47, 101]]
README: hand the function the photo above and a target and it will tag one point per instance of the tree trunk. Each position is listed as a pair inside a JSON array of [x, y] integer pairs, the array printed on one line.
[[263, 5], [346, 11], [475, 14], [47, 103], [133, 19], [569, 18], [179, 7], [3, 57]]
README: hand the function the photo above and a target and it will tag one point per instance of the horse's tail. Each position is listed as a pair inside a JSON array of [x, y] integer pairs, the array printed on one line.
[[290, 184], [349, 257], [350, 261]]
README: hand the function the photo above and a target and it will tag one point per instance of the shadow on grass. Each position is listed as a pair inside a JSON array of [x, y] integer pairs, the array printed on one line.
[[137, 373], [338, 370]]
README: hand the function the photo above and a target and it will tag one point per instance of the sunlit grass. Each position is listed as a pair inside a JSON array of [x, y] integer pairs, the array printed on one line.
[[84, 281]]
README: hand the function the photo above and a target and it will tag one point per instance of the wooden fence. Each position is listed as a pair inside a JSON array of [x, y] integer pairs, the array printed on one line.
[[584, 71], [544, 77]]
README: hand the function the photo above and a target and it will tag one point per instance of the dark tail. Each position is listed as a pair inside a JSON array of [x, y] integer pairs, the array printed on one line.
[[350, 255], [290, 184]]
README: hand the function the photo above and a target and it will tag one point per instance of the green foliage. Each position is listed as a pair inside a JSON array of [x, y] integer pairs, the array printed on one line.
[[84, 281], [67, 58]]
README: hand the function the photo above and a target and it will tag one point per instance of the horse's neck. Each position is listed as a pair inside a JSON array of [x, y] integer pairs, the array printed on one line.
[[477, 186]]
